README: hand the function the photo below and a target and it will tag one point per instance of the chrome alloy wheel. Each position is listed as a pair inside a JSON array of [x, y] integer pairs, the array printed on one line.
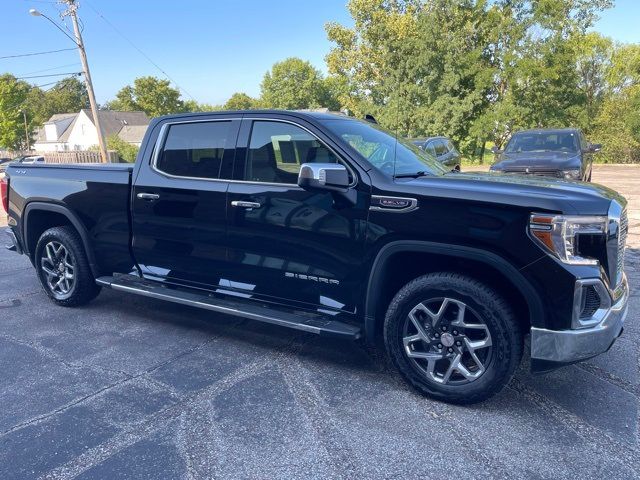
[[58, 266], [447, 341]]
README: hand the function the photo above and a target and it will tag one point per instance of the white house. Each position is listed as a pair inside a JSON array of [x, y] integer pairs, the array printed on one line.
[[76, 131]]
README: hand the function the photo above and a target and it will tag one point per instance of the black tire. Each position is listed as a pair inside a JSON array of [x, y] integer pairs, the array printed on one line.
[[491, 318], [82, 287]]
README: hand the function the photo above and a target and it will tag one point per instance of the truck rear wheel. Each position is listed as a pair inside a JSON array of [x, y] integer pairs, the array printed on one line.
[[63, 268], [453, 338]]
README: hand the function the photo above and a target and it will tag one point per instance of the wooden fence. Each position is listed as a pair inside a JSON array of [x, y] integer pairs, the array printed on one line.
[[76, 156]]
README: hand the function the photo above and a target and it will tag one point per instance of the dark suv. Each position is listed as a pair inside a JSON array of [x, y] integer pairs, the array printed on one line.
[[442, 149], [332, 226], [561, 153]]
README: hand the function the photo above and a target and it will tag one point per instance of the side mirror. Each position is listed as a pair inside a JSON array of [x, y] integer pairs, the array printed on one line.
[[595, 147], [496, 150], [323, 176]]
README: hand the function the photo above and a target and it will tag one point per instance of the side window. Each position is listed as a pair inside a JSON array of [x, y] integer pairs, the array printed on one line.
[[430, 148], [195, 149], [584, 145], [450, 146], [277, 150], [441, 148]]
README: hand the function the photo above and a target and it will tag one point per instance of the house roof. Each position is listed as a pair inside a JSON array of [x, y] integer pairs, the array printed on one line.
[[60, 116], [133, 133], [111, 121]]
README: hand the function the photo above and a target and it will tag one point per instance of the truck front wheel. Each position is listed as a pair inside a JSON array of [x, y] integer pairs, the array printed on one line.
[[63, 268], [453, 338]]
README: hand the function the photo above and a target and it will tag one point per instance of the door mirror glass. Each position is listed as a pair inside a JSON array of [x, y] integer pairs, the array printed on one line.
[[324, 176]]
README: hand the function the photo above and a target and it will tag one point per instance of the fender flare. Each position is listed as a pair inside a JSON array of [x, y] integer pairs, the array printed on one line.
[[534, 304], [73, 219]]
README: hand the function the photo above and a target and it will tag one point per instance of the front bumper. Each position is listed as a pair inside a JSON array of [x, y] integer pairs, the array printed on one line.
[[553, 348]]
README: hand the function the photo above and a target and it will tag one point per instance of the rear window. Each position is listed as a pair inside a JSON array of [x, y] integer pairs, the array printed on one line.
[[543, 142], [195, 149]]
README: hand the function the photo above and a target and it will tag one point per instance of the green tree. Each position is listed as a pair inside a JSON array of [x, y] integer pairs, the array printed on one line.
[[126, 151], [13, 96], [294, 84], [151, 95], [475, 70], [241, 101], [67, 96], [617, 125]]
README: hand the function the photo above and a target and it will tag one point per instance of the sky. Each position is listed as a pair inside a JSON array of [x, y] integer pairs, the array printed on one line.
[[210, 49]]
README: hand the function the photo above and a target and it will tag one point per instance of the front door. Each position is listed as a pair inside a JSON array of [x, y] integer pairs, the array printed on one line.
[[180, 202], [287, 244]]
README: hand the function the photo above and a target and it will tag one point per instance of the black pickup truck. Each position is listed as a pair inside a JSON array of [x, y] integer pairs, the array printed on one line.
[[331, 225]]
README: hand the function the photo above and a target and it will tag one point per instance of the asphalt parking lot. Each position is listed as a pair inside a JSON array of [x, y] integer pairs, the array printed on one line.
[[129, 387]]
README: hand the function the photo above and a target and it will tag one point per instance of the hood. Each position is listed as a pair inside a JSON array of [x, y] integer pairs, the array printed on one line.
[[543, 160], [534, 193]]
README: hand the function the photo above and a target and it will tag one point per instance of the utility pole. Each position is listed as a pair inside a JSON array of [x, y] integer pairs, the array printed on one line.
[[87, 77], [26, 129]]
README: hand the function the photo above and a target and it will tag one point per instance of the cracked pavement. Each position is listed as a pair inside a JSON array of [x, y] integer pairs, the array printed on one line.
[[129, 387]]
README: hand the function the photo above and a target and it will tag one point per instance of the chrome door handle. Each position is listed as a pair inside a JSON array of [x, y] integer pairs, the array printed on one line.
[[243, 204], [148, 196]]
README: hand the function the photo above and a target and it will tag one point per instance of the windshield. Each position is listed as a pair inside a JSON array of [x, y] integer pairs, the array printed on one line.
[[543, 142], [381, 149]]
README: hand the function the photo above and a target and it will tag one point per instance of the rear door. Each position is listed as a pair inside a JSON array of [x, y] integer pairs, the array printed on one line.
[[180, 202], [287, 244]]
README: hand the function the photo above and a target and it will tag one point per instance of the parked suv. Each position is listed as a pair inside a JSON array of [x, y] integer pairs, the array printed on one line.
[[329, 225], [440, 148], [562, 153]]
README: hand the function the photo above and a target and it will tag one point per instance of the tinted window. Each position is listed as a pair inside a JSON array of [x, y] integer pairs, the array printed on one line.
[[441, 147], [542, 141], [195, 149], [450, 146], [277, 150], [431, 149], [390, 155], [584, 145]]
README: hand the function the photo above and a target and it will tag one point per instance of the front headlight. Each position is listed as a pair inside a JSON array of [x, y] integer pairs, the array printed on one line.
[[558, 234], [571, 174]]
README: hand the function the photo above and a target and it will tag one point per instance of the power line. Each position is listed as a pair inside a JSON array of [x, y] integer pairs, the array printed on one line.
[[37, 53], [138, 49], [50, 83], [50, 75], [49, 69]]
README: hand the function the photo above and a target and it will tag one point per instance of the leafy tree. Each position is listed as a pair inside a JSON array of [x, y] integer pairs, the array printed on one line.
[[126, 151], [593, 54], [193, 106], [67, 96], [241, 101], [617, 125], [152, 95], [13, 95], [294, 84]]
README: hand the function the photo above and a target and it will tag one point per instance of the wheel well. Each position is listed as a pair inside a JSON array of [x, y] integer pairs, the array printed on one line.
[[402, 267], [38, 222]]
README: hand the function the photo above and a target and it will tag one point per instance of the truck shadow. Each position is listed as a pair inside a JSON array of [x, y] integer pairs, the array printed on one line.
[[580, 389]]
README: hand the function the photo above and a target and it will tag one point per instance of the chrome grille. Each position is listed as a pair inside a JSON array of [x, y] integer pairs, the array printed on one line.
[[622, 242], [541, 173], [616, 241]]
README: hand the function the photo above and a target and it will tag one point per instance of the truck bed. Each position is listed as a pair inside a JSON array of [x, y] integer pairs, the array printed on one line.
[[96, 195]]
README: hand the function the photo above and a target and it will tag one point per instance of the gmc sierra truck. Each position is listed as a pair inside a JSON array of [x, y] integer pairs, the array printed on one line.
[[331, 225]]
